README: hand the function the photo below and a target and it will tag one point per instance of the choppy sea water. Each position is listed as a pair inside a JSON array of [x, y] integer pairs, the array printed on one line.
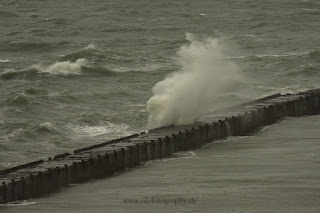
[[75, 73]]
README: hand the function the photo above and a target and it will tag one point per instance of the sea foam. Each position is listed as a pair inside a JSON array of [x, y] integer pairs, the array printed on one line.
[[184, 96]]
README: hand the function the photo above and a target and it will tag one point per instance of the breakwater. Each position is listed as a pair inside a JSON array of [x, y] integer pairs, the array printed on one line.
[[102, 160]]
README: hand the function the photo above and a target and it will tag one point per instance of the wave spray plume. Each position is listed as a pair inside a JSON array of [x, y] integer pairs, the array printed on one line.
[[184, 96]]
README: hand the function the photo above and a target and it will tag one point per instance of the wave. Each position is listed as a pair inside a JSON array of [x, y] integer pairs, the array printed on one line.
[[280, 55], [107, 128], [90, 47], [306, 70], [18, 132], [4, 61], [96, 55], [99, 70], [26, 131], [47, 128], [61, 97], [87, 52], [238, 36], [115, 60], [312, 54], [9, 74], [85, 61], [296, 89], [62, 68], [68, 68], [34, 91], [20, 99], [152, 67]]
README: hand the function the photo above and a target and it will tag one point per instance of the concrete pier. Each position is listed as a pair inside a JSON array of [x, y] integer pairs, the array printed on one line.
[[102, 160]]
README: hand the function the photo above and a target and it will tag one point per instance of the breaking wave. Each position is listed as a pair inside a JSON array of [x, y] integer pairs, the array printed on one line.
[[4, 61], [46, 128], [62, 68]]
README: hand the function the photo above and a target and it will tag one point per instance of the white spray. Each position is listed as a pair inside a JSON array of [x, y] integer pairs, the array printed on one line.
[[184, 96]]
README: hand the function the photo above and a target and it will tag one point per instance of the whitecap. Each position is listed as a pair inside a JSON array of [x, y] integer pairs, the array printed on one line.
[[46, 127], [62, 68], [271, 55], [236, 57], [90, 47], [16, 132], [87, 131], [284, 54], [237, 36], [4, 61]]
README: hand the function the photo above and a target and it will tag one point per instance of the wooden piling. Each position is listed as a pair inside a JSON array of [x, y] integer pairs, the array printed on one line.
[[102, 160]]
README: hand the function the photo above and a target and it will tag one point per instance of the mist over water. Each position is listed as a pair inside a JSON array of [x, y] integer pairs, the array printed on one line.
[[184, 96]]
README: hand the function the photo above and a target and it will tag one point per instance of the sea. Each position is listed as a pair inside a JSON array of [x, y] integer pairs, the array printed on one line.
[[76, 73]]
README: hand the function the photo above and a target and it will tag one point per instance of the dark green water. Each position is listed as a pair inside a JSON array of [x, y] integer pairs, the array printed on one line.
[[75, 73]]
